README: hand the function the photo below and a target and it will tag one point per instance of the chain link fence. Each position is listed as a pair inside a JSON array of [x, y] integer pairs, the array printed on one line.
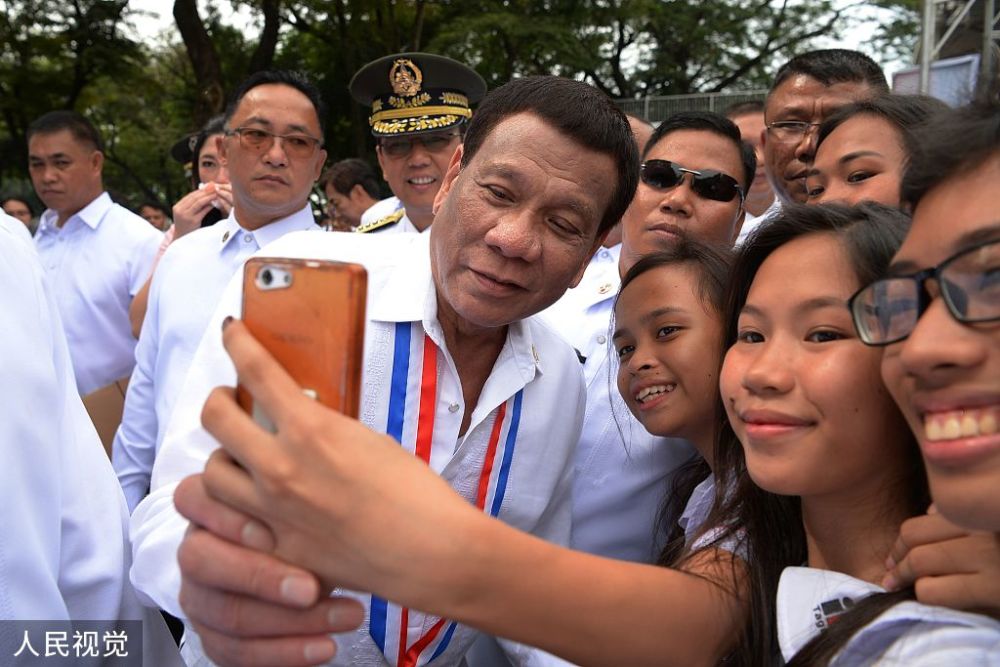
[[657, 108]]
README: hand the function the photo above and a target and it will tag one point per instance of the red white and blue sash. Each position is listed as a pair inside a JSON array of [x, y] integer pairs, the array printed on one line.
[[412, 402]]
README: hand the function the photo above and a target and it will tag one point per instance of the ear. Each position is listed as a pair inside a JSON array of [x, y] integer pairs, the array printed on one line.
[[763, 137], [590, 255], [220, 145], [357, 192], [97, 161], [320, 161], [454, 168]]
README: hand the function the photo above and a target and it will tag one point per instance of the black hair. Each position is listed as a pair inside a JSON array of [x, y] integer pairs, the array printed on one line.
[[708, 122], [767, 527], [952, 143], [296, 80], [151, 204], [583, 113], [76, 124], [345, 174], [711, 265], [23, 200], [743, 108], [904, 112], [830, 66]]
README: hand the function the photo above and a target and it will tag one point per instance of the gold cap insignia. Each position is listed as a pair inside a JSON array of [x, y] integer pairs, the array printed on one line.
[[405, 77]]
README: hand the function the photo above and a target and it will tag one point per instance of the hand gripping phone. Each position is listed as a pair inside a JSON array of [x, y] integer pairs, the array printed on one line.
[[310, 315]]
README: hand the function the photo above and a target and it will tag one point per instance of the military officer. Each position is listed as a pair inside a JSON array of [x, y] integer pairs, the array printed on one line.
[[420, 106]]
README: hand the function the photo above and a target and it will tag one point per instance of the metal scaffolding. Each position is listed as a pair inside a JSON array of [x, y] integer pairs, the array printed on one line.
[[954, 13]]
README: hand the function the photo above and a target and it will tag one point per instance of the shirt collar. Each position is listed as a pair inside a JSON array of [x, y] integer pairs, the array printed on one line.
[[91, 214], [810, 600], [301, 220], [409, 295]]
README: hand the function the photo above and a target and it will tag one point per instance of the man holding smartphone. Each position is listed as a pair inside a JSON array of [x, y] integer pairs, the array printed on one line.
[[273, 144], [455, 370]]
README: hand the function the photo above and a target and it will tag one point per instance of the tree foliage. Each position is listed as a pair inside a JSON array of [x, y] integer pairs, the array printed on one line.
[[145, 94]]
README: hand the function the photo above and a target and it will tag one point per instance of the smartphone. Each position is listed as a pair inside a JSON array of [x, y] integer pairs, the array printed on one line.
[[310, 315]]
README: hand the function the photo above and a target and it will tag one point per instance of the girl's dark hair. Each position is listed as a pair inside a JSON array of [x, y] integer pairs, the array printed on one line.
[[711, 265], [953, 143], [766, 527], [906, 113], [822, 648]]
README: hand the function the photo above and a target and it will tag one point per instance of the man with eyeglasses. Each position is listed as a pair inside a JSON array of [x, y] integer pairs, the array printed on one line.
[[806, 90], [420, 107], [272, 143]]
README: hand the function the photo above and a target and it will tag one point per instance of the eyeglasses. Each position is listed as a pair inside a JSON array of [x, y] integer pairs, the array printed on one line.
[[296, 146], [790, 130], [433, 142], [888, 310], [710, 184]]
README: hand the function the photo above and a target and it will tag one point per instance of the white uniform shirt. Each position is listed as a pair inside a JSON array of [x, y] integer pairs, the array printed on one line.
[[96, 263], [185, 291], [63, 548], [909, 633], [622, 473], [380, 209], [752, 222], [536, 376]]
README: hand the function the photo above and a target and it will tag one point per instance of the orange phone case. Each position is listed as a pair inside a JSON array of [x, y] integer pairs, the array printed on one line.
[[310, 315]]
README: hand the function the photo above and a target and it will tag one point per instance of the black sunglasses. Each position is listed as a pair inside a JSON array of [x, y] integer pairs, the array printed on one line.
[[710, 184]]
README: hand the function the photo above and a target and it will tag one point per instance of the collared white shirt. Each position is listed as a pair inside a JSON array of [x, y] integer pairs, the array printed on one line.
[[380, 209], [908, 633], [96, 263], [185, 290], [63, 552], [622, 473], [535, 376], [752, 222]]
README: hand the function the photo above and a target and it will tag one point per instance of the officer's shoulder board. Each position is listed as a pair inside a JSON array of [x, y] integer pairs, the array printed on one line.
[[376, 225]]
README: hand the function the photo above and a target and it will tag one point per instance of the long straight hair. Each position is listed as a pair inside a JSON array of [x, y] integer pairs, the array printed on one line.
[[767, 528]]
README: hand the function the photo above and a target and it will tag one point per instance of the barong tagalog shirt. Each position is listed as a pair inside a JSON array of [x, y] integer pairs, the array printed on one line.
[[96, 262], [514, 462]]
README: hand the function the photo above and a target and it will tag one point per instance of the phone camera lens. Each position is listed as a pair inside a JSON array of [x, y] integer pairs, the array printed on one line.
[[266, 277]]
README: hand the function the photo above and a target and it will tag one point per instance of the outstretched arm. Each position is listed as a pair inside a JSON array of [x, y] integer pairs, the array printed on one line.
[[348, 504]]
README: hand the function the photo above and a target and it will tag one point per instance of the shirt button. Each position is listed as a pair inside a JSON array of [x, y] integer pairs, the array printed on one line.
[[247, 238], [225, 237], [453, 407], [602, 339]]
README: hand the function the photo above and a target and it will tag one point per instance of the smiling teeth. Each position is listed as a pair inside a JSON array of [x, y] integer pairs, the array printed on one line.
[[643, 395], [422, 180], [961, 423]]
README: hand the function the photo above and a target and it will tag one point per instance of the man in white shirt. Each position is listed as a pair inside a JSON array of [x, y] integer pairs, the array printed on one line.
[[420, 106], [453, 370], [271, 185], [96, 253], [749, 118], [63, 550]]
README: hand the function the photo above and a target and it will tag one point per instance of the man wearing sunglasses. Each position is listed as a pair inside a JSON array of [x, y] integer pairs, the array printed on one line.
[[420, 106]]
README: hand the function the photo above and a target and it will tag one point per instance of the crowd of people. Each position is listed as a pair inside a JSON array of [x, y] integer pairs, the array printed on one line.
[[720, 390]]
